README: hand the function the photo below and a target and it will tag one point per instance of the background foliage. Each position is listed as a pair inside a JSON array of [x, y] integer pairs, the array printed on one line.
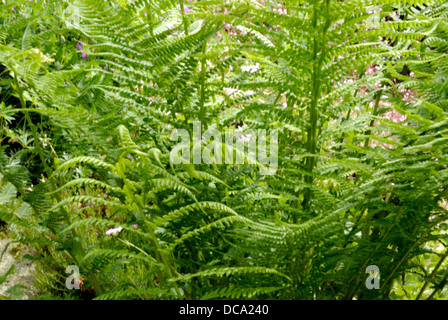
[[91, 91]]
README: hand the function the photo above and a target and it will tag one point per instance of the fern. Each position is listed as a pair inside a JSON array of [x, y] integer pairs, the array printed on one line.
[[356, 90]]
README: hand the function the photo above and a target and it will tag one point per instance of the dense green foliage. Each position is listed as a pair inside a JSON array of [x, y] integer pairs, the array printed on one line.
[[358, 91]]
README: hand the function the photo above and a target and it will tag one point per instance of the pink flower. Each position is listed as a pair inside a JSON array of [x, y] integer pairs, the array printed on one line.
[[113, 231], [372, 69], [146, 14], [251, 69], [135, 226], [186, 10], [245, 138], [230, 91]]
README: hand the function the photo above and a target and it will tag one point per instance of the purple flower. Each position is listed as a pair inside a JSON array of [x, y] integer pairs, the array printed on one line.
[[105, 68], [80, 47], [84, 55], [186, 10]]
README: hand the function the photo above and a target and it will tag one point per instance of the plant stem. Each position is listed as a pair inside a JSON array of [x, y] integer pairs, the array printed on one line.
[[431, 276], [202, 85], [374, 113], [315, 95], [184, 20]]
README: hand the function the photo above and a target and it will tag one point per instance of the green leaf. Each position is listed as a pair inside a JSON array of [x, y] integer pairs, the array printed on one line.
[[9, 272]]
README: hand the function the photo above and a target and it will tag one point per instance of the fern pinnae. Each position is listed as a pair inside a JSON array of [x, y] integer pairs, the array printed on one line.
[[86, 181], [231, 271], [84, 159]]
